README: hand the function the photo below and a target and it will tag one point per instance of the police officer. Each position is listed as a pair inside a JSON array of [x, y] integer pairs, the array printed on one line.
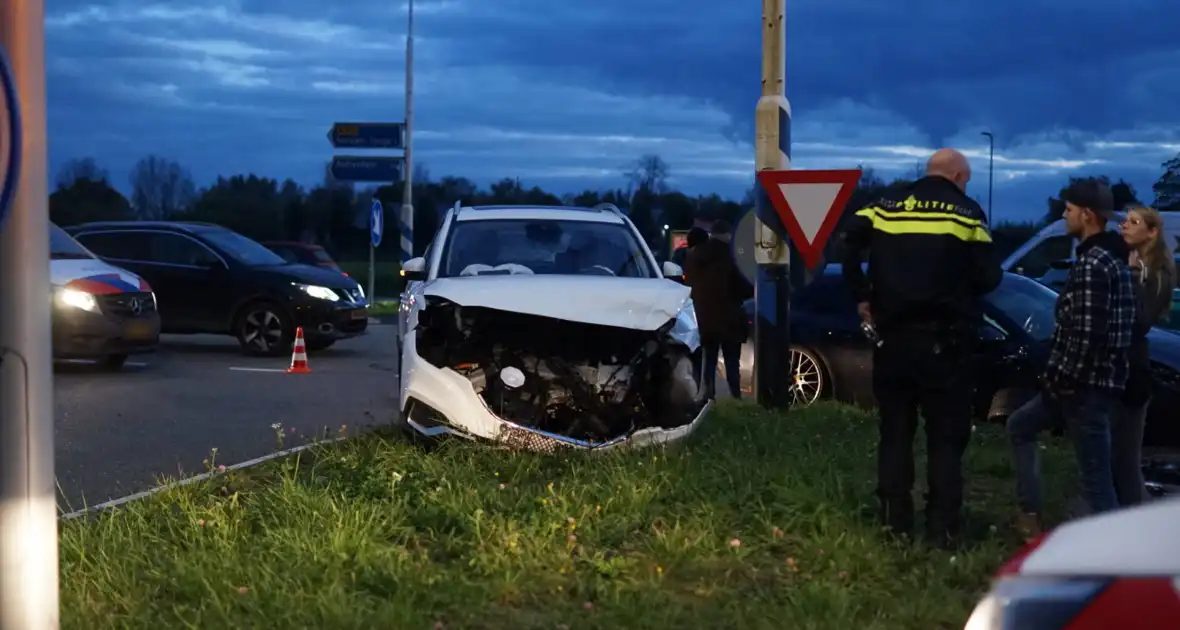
[[930, 262]]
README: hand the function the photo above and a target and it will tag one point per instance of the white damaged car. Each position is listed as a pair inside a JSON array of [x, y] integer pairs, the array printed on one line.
[[546, 328]]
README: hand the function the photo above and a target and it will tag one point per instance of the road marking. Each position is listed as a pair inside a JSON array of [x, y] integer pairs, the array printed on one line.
[[248, 369], [113, 503], [135, 364]]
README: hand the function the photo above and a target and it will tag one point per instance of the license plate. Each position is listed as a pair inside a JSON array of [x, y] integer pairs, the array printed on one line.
[[138, 330], [360, 314]]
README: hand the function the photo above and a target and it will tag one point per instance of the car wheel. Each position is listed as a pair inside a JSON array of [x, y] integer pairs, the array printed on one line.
[[113, 362], [808, 380], [264, 329]]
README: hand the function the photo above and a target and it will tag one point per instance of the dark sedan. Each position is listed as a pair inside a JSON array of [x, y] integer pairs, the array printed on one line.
[[209, 279], [831, 357]]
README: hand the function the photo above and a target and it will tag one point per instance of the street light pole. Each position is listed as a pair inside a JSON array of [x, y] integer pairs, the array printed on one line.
[[406, 229], [991, 158], [28, 501]]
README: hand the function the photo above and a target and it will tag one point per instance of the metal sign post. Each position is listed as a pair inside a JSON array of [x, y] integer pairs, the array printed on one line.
[[406, 220], [376, 228], [772, 291], [28, 506]]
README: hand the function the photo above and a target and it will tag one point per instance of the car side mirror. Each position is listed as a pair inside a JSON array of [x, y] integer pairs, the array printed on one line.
[[672, 270], [414, 269]]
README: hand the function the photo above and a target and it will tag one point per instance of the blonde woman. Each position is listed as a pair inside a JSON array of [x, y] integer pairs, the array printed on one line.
[[1154, 271]]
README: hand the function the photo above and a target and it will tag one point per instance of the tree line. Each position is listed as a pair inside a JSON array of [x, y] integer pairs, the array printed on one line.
[[335, 214]]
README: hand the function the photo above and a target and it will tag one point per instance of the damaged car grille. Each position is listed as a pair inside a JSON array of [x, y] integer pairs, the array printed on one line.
[[584, 383]]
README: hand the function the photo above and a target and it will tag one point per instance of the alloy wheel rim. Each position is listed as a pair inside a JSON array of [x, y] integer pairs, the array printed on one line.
[[806, 379], [263, 330]]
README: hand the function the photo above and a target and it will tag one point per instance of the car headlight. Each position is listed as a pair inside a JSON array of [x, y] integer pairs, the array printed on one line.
[[360, 290], [1025, 602], [155, 305], [74, 298], [323, 293]]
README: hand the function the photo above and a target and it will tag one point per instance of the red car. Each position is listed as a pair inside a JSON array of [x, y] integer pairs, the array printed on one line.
[[1114, 571], [304, 254]]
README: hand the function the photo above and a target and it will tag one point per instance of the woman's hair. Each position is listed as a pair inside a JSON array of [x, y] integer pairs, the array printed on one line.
[[1157, 256]]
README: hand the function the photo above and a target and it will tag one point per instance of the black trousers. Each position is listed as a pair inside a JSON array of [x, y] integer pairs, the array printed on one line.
[[924, 372], [732, 351]]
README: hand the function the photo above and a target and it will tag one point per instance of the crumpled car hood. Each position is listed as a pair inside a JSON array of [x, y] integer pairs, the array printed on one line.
[[636, 303]]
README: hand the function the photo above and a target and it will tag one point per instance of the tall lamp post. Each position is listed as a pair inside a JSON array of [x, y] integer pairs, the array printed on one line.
[[991, 161]]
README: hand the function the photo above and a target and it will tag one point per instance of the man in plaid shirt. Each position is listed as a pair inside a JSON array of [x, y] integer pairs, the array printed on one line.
[[1088, 362]]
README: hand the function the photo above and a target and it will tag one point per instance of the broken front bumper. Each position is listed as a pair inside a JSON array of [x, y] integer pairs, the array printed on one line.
[[440, 401]]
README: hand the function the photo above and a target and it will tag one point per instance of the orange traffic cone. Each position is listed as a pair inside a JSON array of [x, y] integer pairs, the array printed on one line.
[[299, 355]]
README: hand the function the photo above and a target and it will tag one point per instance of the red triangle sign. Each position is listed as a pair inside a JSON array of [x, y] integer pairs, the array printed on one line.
[[809, 204]]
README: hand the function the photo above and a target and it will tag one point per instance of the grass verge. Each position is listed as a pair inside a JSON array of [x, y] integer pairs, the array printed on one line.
[[759, 522]]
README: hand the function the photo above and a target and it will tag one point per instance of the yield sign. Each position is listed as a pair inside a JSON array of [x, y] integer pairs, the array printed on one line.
[[809, 204]]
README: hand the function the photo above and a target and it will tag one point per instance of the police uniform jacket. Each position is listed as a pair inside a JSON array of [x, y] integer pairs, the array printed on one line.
[[929, 257]]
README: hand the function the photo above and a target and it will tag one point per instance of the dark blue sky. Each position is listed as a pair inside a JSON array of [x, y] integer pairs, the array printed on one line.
[[565, 95]]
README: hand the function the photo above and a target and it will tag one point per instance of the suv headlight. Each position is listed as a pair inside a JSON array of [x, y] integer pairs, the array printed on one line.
[[323, 293], [74, 298]]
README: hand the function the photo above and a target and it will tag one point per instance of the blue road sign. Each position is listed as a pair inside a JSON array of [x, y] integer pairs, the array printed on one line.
[[367, 135], [376, 222], [359, 168]]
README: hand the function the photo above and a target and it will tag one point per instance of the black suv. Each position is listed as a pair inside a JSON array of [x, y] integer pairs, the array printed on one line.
[[209, 279]]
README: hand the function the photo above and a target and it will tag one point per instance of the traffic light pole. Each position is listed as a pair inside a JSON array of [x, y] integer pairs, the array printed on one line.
[[28, 505], [772, 291]]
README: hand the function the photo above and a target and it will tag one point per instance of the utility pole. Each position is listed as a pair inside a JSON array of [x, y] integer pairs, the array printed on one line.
[[406, 229], [991, 160], [772, 148], [28, 501]]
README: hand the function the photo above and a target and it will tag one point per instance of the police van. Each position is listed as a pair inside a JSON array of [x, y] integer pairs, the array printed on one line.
[[1052, 247], [100, 312]]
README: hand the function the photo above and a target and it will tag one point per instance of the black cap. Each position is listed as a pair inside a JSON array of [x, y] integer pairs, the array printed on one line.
[[1092, 194]]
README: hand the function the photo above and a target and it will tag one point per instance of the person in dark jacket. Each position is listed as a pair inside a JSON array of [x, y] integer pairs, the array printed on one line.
[[930, 262], [1153, 271], [718, 290], [1087, 373], [695, 236]]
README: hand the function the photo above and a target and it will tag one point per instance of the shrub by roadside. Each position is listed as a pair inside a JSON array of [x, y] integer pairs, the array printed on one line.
[[759, 522]]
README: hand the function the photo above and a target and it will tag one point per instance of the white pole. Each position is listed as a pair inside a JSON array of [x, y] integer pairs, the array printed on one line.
[[772, 151], [406, 229], [28, 506]]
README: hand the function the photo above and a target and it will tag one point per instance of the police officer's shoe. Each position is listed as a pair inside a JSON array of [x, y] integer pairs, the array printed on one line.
[[1029, 525]]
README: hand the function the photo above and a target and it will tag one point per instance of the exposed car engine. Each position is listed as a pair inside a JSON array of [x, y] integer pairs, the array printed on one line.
[[583, 381]]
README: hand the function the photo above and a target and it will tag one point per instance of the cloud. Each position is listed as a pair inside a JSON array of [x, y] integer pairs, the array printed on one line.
[[565, 95]]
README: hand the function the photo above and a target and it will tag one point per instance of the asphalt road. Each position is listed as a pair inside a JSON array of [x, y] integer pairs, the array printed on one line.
[[117, 433]]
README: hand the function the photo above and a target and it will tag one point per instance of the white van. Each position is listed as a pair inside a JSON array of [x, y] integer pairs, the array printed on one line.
[[1052, 245]]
